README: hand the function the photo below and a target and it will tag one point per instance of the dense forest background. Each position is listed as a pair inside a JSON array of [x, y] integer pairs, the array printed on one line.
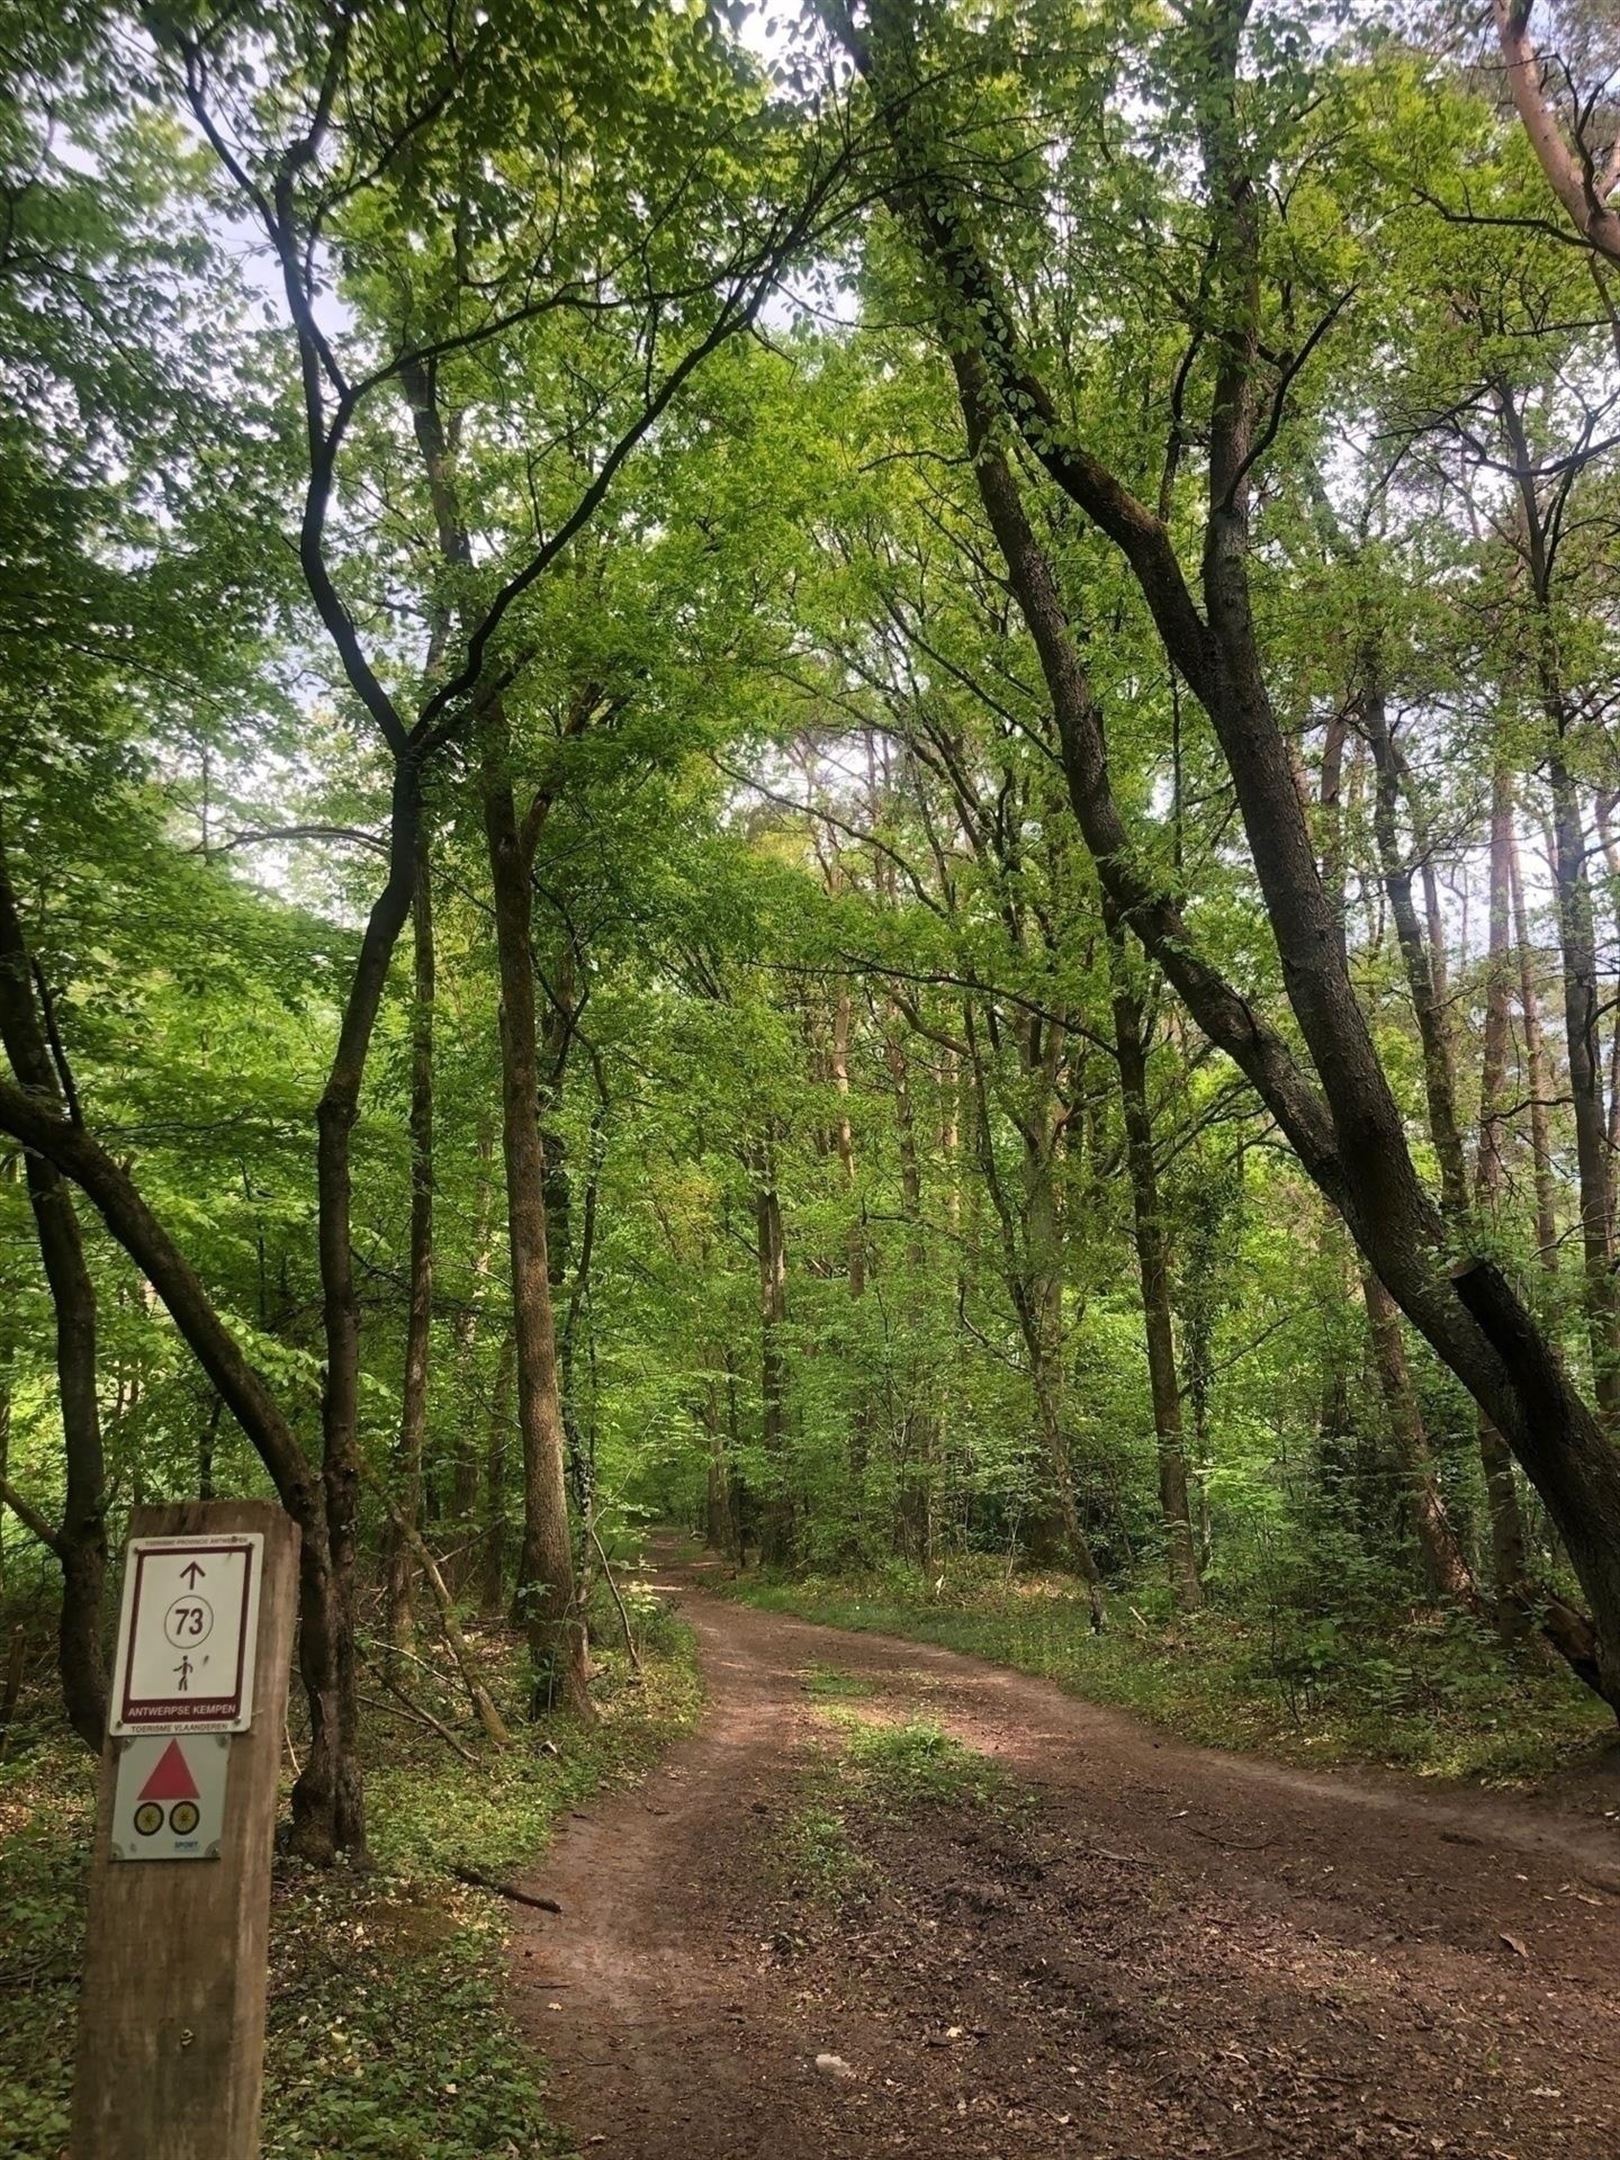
[[849, 777]]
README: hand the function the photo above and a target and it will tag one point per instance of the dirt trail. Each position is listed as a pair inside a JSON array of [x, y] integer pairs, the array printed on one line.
[[1172, 1953]]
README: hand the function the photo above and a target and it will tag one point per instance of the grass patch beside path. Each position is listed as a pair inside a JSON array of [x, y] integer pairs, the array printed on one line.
[[1433, 1697], [389, 2034], [876, 1768]]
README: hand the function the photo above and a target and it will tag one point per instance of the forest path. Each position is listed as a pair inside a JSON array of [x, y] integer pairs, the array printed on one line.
[[1170, 1952]]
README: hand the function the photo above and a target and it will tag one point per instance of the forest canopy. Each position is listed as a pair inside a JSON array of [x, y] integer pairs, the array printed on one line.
[[849, 773]]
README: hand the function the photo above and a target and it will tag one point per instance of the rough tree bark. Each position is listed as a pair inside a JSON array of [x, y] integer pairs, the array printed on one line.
[[492, 1541]]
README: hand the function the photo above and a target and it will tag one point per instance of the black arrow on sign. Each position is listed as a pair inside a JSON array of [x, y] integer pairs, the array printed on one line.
[[190, 1572]]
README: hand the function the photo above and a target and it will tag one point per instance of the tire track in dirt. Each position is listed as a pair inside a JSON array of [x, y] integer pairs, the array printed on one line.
[[1173, 1952]]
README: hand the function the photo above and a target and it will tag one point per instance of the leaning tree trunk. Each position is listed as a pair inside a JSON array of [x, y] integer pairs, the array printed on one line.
[[246, 1395], [1348, 1136], [1340, 1117], [80, 1541]]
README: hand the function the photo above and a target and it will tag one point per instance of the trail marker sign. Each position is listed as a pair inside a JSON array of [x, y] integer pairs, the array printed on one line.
[[169, 1803], [187, 1633], [172, 2014]]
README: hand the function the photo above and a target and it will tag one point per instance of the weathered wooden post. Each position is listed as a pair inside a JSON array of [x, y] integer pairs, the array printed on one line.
[[171, 2023]]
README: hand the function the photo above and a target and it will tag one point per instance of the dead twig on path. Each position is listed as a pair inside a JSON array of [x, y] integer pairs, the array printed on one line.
[[1229, 1844], [506, 1890]]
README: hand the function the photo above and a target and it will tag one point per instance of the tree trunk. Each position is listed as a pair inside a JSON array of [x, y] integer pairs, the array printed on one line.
[[776, 1535], [719, 1514], [330, 1815], [469, 1462], [546, 1593], [1444, 1563], [546, 1596], [492, 1568], [1582, 1003], [916, 1469], [1181, 1551], [1422, 958], [406, 1512], [1509, 1562], [80, 1543], [1032, 1267], [1535, 1059]]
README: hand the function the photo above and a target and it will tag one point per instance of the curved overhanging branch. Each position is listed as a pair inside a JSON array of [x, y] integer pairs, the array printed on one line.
[[78, 1155]]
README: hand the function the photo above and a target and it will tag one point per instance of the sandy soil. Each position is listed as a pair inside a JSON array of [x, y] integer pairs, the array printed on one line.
[[1169, 1952]]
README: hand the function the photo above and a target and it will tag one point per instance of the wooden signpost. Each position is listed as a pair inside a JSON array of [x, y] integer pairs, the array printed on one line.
[[171, 2023]]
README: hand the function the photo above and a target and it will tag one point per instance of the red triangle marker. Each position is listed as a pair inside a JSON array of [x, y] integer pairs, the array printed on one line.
[[171, 1777]]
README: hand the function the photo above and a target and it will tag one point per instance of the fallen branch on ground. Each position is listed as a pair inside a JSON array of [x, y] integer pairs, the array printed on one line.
[[404, 1707], [506, 1890]]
